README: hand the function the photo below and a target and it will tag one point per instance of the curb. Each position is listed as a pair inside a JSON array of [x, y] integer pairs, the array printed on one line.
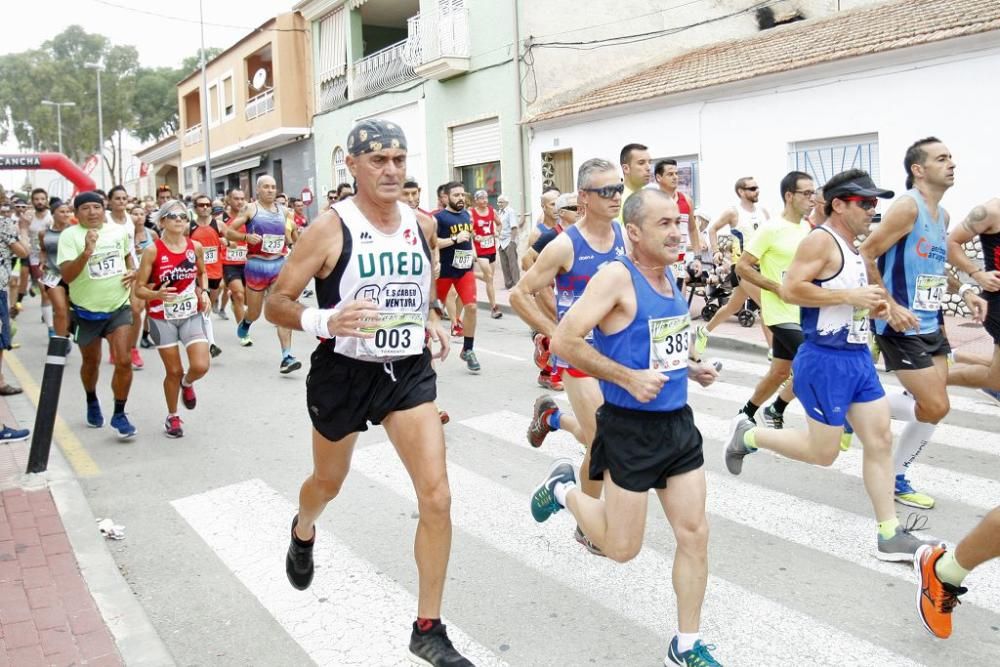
[[136, 639]]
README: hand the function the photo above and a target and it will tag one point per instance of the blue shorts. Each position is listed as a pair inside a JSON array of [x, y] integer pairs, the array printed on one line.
[[828, 381], [259, 274], [4, 321]]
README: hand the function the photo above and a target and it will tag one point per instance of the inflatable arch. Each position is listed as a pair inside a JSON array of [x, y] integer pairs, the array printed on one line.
[[54, 161]]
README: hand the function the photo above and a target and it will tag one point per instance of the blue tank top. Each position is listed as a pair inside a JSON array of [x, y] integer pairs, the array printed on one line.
[[657, 338], [914, 270], [270, 226], [586, 262]]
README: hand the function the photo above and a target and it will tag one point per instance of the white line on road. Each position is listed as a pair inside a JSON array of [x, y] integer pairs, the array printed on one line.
[[483, 350], [351, 615]]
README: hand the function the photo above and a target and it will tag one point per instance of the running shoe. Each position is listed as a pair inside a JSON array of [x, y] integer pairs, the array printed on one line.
[[120, 423], [246, 342], [457, 330], [289, 364], [136, 360], [541, 351], [495, 313], [444, 417], [95, 418], [435, 649], [144, 342], [586, 543], [846, 437], [698, 656], [539, 426], [9, 434], [306, 293], [299, 560], [700, 340], [189, 397], [902, 547], [991, 394], [735, 450], [773, 418], [223, 315], [906, 495], [550, 382], [243, 330], [543, 500], [469, 357], [936, 599], [52, 332], [173, 427], [214, 350]]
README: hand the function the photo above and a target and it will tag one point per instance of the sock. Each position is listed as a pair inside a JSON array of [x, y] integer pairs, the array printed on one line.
[[91, 396], [245, 324], [560, 491], [779, 405], [119, 406], [553, 418], [686, 641], [886, 529], [20, 297], [425, 625], [209, 330], [750, 409], [948, 570], [901, 407], [750, 439], [912, 441], [47, 315], [184, 381], [467, 342], [286, 352]]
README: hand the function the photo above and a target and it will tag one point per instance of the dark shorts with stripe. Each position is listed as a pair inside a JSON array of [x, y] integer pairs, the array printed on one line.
[[912, 353]]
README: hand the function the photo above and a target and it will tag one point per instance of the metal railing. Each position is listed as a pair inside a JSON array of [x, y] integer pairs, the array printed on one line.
[[333, 93], [441, 33], [192, 135], [380, 71], [260, 105]]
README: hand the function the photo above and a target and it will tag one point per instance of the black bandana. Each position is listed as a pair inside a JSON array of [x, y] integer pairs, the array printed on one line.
[[375, 134], [87, 198]]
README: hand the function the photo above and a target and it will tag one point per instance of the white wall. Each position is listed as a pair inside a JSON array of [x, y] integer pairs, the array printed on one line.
[[749, 133]]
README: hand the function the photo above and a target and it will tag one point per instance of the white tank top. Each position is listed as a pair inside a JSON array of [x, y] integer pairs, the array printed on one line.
[[393, 270], [749, 221], [843, 326]]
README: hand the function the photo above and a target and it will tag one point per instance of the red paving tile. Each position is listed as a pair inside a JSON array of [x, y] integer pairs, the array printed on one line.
[[57, 640], [48, 618], [85, 622], [44, 596], [20, 634], [49, 525], [33, 577], [27, 656], [96, 644], [56, 544]]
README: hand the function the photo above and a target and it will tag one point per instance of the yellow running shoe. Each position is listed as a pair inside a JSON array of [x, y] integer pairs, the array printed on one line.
[[845, 441], [906, 495], [700, 341]]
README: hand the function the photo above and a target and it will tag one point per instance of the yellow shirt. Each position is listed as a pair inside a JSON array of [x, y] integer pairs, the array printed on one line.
[[774, 244]]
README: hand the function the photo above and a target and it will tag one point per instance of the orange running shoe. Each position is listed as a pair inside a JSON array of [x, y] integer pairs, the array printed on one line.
[[935, 598], [541, 351]]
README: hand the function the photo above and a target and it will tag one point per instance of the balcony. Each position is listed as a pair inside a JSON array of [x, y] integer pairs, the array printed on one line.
[[438, 42], [192, 135], [380, 71], [259, 105], [332, 93]]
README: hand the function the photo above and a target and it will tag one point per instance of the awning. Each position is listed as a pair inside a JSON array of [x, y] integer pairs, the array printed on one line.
[[234, 167]]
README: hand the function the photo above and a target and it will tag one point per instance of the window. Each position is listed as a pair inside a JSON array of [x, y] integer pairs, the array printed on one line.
[[213, 103], [340, 174], [823, 158], [226, 102], [485, 176], [279, 175], [557, 170]]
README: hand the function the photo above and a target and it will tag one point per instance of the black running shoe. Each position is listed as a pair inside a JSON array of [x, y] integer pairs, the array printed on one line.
[[435, 649], [299, 561]]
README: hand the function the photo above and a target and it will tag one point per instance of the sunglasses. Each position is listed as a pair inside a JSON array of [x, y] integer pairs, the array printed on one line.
[[608, 191], [203, 205], [864, 203], [807, 193], [753, 189], [568, 208], [175, 216]]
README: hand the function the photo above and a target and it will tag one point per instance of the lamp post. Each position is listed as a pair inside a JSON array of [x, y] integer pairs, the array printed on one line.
[[209, 188], [59, 106], [100, 119]]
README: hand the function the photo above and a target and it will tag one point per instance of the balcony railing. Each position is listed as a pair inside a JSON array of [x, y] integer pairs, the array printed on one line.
[[333, 93], [260, 105], [380, 71], [440, 33], [192, 135]]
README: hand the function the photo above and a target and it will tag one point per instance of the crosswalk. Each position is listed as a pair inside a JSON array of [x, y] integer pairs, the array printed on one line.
[[793, 579]]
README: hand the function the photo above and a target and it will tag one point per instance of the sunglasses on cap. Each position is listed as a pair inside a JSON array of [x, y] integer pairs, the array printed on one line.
[[608, 191], [864, 203]]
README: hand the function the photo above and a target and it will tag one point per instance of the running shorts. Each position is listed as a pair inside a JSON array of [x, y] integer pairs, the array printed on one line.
[[231, 272], [642, 449], [489, 258], [827, 382], [213, 283], [786, 340], [344, 394], [171, 333], [259, 274], [992, 323], [912, 353], [465, 287], [86, 332]]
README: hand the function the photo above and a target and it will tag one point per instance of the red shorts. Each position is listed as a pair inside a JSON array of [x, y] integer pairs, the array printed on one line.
[[464, 286], [573, 373]]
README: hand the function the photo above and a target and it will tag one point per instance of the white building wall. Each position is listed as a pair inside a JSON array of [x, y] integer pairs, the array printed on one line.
[[748, 133]]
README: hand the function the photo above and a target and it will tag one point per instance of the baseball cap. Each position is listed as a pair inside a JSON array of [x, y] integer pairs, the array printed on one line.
[[565, 199], [860, 186]]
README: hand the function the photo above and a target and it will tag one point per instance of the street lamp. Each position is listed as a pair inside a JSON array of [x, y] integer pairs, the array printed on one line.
[[100, 120], [59, 106]]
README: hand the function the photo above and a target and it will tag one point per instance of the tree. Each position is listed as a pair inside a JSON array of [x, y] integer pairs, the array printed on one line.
[[154, 119]]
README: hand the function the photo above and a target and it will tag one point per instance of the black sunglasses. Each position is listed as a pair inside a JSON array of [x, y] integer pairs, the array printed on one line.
[[175, 216], [753, 189], [608, 191], [568, 208]]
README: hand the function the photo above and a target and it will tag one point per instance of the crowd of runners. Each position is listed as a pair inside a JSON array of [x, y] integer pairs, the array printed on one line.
[[602, 289]]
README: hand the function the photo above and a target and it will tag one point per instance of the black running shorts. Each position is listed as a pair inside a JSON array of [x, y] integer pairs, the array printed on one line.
[[786, 339], [912, 353], [344, 394], [992, 323], [231, 272], [641, 449]]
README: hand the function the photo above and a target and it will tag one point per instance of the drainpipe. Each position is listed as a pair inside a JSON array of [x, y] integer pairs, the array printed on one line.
[[522, 168]]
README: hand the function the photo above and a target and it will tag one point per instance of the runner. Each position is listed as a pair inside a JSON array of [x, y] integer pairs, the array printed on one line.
[[646, 435], [772, 248], [667, 179], [116, 214], [40, 221], [55, 289], [234, 259], [95, 261], [362, 373], [485, 231], [571, 260], [205, 231], [172, 280], [910, 249], [637, 167], [143, 236], [835, 378], [266, 236], [454, 234], [545, 222]]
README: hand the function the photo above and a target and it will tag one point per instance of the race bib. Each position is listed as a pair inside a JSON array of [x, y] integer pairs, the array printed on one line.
[[396, 335], [50, 278], [273, 244], [181, 307], [669, 342], [486, 242], [680, 271], [930, 291], [106, 265], [236, 253], [858, 332], [211, 254], [462, 259]]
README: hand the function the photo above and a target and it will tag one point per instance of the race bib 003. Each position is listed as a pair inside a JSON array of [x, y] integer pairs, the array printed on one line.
[[398, 334], [669, 342], [462, 259]]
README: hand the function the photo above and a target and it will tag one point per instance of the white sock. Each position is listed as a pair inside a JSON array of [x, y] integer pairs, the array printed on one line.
[[912, 441], [209, 331], [47, 315], [901, 407], [560, 491], [686, 640], [184, 381]]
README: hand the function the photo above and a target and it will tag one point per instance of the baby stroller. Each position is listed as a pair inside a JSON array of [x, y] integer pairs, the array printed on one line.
[[717, 296]]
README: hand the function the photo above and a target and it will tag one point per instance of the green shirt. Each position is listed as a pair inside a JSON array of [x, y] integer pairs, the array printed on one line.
[[774, 244], [99, 287]]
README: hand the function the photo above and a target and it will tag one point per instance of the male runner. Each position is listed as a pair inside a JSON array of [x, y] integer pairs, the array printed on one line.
[[571, 260], [40, 221], [636, 167], [667, 179], [234, 259], [835, 378], [116, 214], [454, 234], [205, 231], [266, 236], [485, 229], [646, 435], [372, 365], [545, 222], [773, 247], [910, 249]]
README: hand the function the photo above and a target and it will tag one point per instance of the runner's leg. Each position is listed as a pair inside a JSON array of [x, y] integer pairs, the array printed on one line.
[[683, 502]]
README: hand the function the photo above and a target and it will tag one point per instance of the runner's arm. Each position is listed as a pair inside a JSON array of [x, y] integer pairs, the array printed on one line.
[[814, 258], [897, 222], [315, 257], [141, 285], [981, 219], [713, 230], [239, 221], [554, 258], [746, 271]]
